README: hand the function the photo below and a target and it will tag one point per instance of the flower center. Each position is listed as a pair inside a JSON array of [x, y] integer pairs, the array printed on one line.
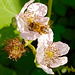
[[49, 54]]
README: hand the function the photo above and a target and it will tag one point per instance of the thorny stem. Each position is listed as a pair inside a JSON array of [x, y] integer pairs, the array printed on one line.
[[49, 8]]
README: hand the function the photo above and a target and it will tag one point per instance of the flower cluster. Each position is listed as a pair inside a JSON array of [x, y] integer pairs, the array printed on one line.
[[33, 24]]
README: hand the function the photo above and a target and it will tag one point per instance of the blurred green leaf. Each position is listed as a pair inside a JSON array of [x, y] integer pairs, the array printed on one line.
[[68, 35], [42, 1], [4, 57], [72, 21], [54, 17], [62, 20], [57, 37], [58, 31], [6, 71], [69, 2], [25, 65], [59, 8], [38, 71]]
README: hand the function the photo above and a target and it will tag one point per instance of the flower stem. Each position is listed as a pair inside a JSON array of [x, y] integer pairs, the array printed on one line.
[[49, 8], [38, 0], [32, 48], [28, 42], [58, 72]]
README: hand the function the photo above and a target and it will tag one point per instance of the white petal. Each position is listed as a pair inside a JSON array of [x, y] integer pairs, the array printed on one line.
[[63, 60], [20, 24], [58, 62], [40, 53], [42, 20], [46, 37], [63, 48], [25, 7], [30, 35], [47, 70], [38, 8]]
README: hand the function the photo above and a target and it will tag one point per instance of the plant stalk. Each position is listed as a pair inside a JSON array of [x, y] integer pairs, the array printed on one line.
[[49, 8]]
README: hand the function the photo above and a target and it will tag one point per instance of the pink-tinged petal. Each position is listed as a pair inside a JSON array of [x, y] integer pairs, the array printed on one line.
[[20, 24], [47, 70], [40, 53], [44, 38], [64, 60], [38, 8], [58, 62], [44, 20], [41, 19], [30, 35], [25, 7], [63, 48]]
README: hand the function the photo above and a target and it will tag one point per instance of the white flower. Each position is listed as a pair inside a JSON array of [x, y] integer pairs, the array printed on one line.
[[31, 22], [49, 55]]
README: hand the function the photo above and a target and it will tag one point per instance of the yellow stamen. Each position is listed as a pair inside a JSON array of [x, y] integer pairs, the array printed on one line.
[[49, 53], [30, 20]]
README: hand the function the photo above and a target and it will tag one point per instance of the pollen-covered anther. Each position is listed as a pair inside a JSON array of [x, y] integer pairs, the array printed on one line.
[[15, 48]]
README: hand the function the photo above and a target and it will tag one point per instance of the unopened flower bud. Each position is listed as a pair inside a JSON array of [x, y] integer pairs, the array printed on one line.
[[14, 22]]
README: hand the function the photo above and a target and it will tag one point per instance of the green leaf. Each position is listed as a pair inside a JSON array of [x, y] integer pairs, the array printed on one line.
[[72, 21], [6, 71], [68, 35], [58, 30], [59, 8], [25, 65], [8, 9], [38, 71], [7, 32], [4, 57], [69, 2], [63, 21]]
